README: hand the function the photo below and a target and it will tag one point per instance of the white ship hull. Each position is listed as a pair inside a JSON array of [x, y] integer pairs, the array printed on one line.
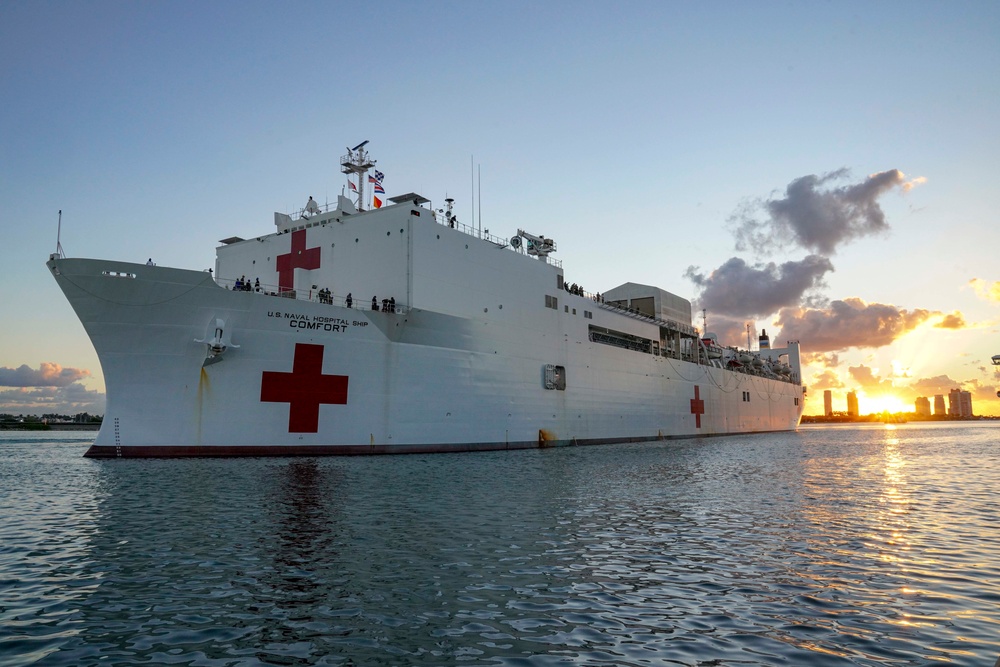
[[415, 381], [483, 352]]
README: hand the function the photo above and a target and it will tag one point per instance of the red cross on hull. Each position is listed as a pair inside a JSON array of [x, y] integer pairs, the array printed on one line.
[[299, 258], [304, 389], [697, 406]]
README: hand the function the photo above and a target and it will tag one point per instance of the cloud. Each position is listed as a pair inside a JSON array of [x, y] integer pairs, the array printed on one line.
[[985, 393], [740, 290], [848, 323], [951, 321], [47, 375], [939, 384], [827, 360], [826, 380], [986, 290], [865, 377], [817, 216], [730, 331], [69, 400]]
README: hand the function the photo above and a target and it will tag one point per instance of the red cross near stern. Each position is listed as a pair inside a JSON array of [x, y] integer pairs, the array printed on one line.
[[298, 258], [304, 389], [697, 407]]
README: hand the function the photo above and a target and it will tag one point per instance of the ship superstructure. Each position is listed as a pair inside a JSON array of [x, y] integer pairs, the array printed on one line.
[[392, 327]]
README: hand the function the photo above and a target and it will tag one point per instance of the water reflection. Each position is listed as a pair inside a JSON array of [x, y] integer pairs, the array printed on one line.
[[840, 546]]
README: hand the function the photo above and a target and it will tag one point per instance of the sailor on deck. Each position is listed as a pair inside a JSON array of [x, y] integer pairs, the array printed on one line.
[[312, 207]]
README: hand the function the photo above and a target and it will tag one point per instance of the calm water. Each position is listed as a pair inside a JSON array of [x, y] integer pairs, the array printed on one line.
[[865, 545]]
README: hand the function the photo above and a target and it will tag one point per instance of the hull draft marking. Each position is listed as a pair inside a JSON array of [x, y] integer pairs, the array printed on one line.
[[304, 389], [697, 406], [299, 258]]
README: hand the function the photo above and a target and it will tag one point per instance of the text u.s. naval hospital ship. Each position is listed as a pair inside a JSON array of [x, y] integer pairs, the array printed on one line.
[[374, 329]]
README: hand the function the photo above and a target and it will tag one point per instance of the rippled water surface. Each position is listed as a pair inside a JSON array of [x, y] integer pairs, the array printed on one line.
[[857, 545]]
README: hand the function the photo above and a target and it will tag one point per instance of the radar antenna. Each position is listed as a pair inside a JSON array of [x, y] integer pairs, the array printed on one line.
[[357, 162]]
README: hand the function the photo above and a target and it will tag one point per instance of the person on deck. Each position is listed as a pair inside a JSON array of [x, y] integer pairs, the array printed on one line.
[[312, 207]]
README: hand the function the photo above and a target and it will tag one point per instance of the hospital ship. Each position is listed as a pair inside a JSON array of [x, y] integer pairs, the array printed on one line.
[[381, 325]]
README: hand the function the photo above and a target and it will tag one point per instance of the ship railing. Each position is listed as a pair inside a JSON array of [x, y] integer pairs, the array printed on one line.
[[317, 295], [484, 235]]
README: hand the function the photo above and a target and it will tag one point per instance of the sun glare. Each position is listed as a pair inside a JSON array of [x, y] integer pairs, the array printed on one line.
[[882, 403]]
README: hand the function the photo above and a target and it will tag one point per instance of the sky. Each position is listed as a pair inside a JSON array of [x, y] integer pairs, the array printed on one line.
[[824, 171]]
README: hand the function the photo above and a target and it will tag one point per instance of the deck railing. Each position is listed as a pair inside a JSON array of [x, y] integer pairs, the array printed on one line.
[[313, 295]]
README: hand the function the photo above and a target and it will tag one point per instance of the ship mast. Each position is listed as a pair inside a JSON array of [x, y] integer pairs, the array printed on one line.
[[357, 162]]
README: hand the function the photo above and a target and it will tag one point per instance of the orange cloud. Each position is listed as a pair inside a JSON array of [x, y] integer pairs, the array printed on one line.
[[48, 375], [986, 290], [952, 321], [848, 323], [912, 183], [826, 380]]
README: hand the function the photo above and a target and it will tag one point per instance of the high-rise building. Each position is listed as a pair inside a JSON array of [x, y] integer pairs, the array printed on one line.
[[959, 403], [939, 406], [922, 407], [828, 403], [852, 404]]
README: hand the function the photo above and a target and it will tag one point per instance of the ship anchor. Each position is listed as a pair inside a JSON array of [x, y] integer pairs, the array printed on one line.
[[218, 343]]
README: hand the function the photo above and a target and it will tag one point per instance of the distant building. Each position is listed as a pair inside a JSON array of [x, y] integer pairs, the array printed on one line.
[[828, 403], [939, 410], [852, 404], [959, 403], [922, 407]]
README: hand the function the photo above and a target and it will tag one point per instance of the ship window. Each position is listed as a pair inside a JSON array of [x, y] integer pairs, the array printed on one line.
[[565, 309], [796, 401], [574, 311], [551, 302]]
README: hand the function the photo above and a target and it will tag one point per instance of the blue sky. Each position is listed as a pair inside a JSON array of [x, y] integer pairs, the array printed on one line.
[[639, 135]]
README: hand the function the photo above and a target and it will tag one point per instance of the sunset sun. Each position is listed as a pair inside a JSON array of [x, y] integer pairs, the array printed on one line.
[[882, 403]]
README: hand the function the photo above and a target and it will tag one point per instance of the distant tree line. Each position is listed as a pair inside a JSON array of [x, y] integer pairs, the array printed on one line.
[[79, 418]]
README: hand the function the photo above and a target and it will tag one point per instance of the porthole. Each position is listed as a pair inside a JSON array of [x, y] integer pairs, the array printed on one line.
[[388, 233], [466, 246], [355, 240], [400, 231]]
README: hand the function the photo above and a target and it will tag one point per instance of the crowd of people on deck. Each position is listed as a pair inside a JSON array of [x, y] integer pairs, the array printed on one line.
[[324, 295], [578, 290], [244, 285]]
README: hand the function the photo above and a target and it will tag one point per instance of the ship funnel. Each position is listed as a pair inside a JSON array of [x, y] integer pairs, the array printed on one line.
[[764, 342]]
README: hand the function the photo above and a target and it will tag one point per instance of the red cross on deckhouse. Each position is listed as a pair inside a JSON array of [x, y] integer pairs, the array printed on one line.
[[697, 407], [304, 389], [298, 258]]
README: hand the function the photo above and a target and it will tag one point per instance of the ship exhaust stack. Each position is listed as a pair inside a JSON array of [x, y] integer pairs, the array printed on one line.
[[764, 342]]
